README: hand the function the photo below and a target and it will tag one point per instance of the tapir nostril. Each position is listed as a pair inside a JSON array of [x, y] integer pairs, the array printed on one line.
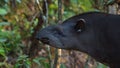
[[45, 40]]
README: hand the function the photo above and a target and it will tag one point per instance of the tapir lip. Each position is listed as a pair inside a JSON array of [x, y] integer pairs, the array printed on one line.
[[45, 40], [56, 43]]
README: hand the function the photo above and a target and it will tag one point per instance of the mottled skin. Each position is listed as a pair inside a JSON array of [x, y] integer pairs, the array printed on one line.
[[95, 33]]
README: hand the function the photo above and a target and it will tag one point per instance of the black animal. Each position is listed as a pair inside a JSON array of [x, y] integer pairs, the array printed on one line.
[[95, 33]]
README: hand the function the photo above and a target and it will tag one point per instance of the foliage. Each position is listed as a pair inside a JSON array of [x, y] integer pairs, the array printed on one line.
[[18, 18]]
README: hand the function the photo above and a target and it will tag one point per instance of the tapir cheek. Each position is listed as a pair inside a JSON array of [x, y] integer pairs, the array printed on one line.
[[67, 42]]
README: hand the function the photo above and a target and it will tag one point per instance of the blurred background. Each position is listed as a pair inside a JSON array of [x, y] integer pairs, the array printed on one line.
[[21, 19]]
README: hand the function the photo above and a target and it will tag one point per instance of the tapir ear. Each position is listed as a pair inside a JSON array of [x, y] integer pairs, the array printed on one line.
[[80, 25]]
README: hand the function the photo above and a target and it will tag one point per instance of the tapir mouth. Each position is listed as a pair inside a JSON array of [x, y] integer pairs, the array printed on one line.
[[45, 40], [52, 41]]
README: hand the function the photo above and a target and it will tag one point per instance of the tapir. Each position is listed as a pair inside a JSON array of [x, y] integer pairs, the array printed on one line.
[[94, 33]]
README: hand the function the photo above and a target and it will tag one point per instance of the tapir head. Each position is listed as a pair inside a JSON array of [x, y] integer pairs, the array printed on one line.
[[68, 35]]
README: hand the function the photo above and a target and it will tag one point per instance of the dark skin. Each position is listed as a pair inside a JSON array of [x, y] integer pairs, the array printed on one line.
[[95, 33]]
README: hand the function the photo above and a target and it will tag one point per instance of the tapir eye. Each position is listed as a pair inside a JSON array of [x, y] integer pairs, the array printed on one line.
[[58, 33]]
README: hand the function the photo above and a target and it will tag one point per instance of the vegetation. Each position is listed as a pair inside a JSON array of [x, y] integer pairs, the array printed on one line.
[[21, 19]]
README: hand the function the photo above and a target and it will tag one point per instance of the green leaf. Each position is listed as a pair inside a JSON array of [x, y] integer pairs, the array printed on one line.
[[101, 66], [4, 23], [1, 64], [110, 2], [3, 11], [36, 61], [53, 6], [62, 66], [3, 39], [2, 52], [19, 1], [27, 64], [17, 65]]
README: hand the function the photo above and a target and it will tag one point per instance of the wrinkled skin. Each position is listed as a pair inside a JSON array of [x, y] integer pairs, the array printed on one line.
[[95, 33]]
